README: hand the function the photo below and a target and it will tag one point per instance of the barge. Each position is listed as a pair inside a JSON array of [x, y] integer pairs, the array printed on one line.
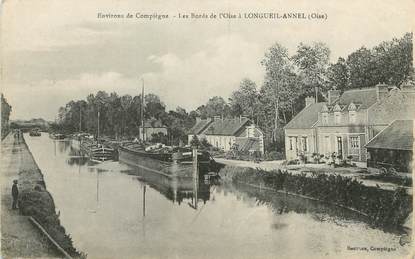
[[167, 161], [57, 136], [35, 133], [96, 151]]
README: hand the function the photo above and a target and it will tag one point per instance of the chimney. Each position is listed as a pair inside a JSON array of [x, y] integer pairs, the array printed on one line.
[[241, 118], [381, 91], [309, 101], [333, 96]]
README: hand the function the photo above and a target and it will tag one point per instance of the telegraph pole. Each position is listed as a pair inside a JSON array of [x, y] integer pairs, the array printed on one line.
[[98, 127], [80, 118], [142, 109], [195, 175]]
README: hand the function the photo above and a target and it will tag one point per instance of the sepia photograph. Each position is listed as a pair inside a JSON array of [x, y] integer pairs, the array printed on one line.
[[206, 129]]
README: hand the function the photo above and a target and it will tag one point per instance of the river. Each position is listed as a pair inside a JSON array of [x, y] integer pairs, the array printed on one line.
[[112, 210]]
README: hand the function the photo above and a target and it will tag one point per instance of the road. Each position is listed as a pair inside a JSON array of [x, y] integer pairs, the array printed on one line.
[[19, 238]]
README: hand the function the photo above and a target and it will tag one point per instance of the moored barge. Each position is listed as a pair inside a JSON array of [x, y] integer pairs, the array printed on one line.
[[170, 162], [96, 151]]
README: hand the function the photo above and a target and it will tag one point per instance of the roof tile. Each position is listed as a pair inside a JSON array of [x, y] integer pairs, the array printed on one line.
[[398, 135], [306, 118]]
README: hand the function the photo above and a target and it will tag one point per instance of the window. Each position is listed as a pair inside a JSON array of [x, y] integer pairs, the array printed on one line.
[[325, 116], [352, 116], [251, 132], [337, 117], [354, 142], [304, 143], [291, 143], [327, 144]]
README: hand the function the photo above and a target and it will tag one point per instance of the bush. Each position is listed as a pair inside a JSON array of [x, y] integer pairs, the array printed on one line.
[[293, 162], [274, 155], [36, 201], [383, 207]]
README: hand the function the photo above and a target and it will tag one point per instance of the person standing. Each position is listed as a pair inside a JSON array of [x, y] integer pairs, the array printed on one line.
[[15, 194]]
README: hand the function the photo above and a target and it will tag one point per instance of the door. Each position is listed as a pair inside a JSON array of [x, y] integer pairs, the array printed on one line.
[[340, 146]]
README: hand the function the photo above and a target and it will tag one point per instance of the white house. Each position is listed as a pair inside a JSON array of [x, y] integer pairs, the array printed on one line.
[[224, 133]]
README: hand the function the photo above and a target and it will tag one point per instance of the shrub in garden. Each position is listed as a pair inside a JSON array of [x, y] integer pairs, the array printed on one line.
[[274, 155]]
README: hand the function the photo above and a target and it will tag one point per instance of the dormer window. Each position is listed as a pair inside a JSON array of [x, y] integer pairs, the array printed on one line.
[[325, 115], [352, 116], [337, 108], [337, 117], [337, 114], [352, 113], [325, 118]]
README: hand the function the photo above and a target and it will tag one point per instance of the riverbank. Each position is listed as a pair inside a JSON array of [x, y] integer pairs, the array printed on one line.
[[382, 207], [20, 238], [357, 173]]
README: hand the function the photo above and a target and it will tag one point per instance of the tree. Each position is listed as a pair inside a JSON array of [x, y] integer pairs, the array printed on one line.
[[154, 108], [216, 106], [279, 83], [6, 109], [361, 68], [195, 141], [312, 62], [338, 75], [393, 60], [245, 100]]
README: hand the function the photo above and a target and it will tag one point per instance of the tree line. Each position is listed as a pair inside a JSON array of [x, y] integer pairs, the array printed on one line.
[[6, 109], [287, 81]]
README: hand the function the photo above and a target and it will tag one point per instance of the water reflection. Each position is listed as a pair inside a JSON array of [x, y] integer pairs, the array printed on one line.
[[112, 210], [281, 203], [175, 189]]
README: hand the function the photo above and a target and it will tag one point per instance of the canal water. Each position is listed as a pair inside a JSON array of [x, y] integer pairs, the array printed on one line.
[[112, 210]]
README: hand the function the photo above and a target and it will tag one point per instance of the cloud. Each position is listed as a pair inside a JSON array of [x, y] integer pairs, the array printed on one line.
[[215, 69], [43, 98]]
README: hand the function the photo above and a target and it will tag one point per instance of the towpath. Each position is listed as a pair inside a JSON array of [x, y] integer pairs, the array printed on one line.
[[19, 238]]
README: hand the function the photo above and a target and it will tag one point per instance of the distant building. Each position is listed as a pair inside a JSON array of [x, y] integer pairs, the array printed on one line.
[[347, 121], [152, 127], [225, 133], [392, 147]]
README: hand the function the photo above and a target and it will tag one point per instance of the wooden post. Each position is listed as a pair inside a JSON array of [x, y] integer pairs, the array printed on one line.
[[142, 110], [80, 118], [98, 128], [144, 201], [195, 176]]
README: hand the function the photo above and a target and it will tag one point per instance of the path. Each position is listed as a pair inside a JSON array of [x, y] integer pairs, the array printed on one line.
[[19, 238]]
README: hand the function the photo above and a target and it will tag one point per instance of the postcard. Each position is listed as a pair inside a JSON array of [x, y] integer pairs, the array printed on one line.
[[207, 129]]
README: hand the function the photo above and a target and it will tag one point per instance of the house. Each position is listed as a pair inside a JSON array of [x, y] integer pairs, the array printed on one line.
[[152, 127], [301, 131], [227, 133], [347, 121], [396, 152]]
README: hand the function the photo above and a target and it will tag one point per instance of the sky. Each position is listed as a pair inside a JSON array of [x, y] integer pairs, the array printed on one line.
[[56, 51]]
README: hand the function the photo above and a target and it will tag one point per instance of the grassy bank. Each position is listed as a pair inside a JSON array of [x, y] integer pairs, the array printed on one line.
[[382, 207], [36, 201]]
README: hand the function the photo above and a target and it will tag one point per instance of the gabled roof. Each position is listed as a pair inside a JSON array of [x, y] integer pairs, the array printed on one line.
[[247, 144], [200, 126], [398, 136], [364, 97], [226, 127], [306, 118]]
